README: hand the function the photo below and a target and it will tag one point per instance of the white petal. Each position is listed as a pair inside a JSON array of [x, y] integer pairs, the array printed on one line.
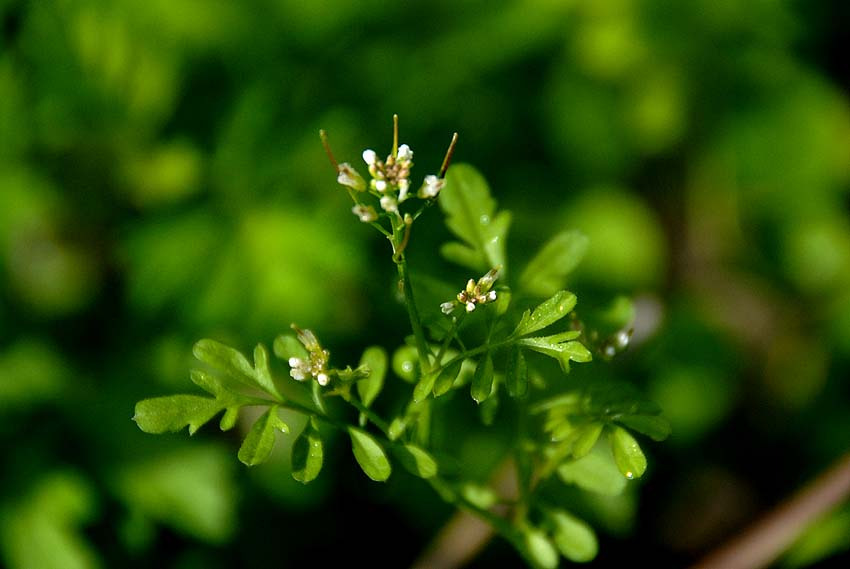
[[470, 306], [323, 379], [369, 156], [405, 153]]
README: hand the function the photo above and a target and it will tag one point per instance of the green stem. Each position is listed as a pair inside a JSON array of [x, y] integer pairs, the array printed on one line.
[[415, 322]]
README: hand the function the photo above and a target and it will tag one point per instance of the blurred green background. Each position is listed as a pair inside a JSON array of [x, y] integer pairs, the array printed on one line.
[[162, 180]]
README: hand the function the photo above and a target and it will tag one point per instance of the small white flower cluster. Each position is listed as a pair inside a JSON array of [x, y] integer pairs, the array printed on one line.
[[390, 182], [315, 365], [474, 294]]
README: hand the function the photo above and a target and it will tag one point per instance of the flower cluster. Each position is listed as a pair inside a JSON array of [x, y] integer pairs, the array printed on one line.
[[315, 365], [389, 179], [475, 293]]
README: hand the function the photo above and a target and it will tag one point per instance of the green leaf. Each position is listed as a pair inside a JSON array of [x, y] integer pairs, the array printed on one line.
[[397, 428], [628, 456], [585, 439], [482, 379], [595, 472], [447, 378], [406, 363], [489, 408], [424, 387], [307, 454], [287, 346], [234, 365], [471, 216], [172, 413], [375, 358], [564, 352], [259, 443], [573, 537], [655, 427], [540, 549], [547, 313], [370, 455], [415, 460], [547, 271], [516, 379]]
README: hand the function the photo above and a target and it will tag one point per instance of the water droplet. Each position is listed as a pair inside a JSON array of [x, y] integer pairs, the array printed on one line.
[[407, 366], [630, 475], [484, 220]]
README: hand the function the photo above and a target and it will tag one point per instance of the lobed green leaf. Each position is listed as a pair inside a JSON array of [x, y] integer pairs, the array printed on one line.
[[233, 364], [259, 442], [547, 313], [547, 271], [369, 455], [307, 454], [564, 352], [172, 413], [471, 216]]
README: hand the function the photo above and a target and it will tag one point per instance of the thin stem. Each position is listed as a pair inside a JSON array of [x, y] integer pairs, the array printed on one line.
[[449, 336], [447, 160], [324, 136], [371, 415], [395, 136], [413, 313]]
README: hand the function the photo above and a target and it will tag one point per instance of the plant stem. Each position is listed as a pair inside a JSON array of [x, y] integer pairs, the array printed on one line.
[[413, 313]]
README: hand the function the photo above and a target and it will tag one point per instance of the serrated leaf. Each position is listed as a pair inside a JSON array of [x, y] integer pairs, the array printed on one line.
[[228, 420], [516, 378], [482, 379], [375, 358], [307, 454], [564, 352], [416, 460], [234, 365], [447, 378], [547, 313], [628, 456], [655, 427], [171, 413], [540, 549], [547, 271], [369, 455], [471, 216], [574, 538], [595, 472], [207, 382], [287, 346], [259, 442]]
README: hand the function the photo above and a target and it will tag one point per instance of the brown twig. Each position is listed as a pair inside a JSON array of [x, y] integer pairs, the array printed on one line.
[[768, 538]]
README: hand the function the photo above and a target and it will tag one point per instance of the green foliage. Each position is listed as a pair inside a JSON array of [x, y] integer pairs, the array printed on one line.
[[259, 443], [370, 455], [307, 454]]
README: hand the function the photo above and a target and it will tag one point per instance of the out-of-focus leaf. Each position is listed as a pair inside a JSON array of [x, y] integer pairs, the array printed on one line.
[[446, 379], [516, 377], [655, 427], [406, 363], [375, 358], [30, 372], [586, 438], [540, 549], [191, 490], [424, 386], [822, 539], [42, 530], [259, 442], [287, 346], [595, 472], [471, 216], [482, 380], [307, 454], [628, 456], [415, 460], [573, 537], [547, 271], [548, 312], [370, 455]]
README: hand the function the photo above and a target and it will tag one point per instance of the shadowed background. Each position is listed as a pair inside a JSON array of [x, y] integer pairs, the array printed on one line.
[[162, 180]]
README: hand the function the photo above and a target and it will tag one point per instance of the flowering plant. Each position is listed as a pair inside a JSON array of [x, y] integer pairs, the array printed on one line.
[[495, 337]]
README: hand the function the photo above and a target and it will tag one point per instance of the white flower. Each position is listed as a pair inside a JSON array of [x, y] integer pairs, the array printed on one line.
[[403, 187], [431, 187], [470, 306], [366, 213], [405, 154], [447, 307], [389, 204], [349, 177], [380, 185], [369, 156]]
